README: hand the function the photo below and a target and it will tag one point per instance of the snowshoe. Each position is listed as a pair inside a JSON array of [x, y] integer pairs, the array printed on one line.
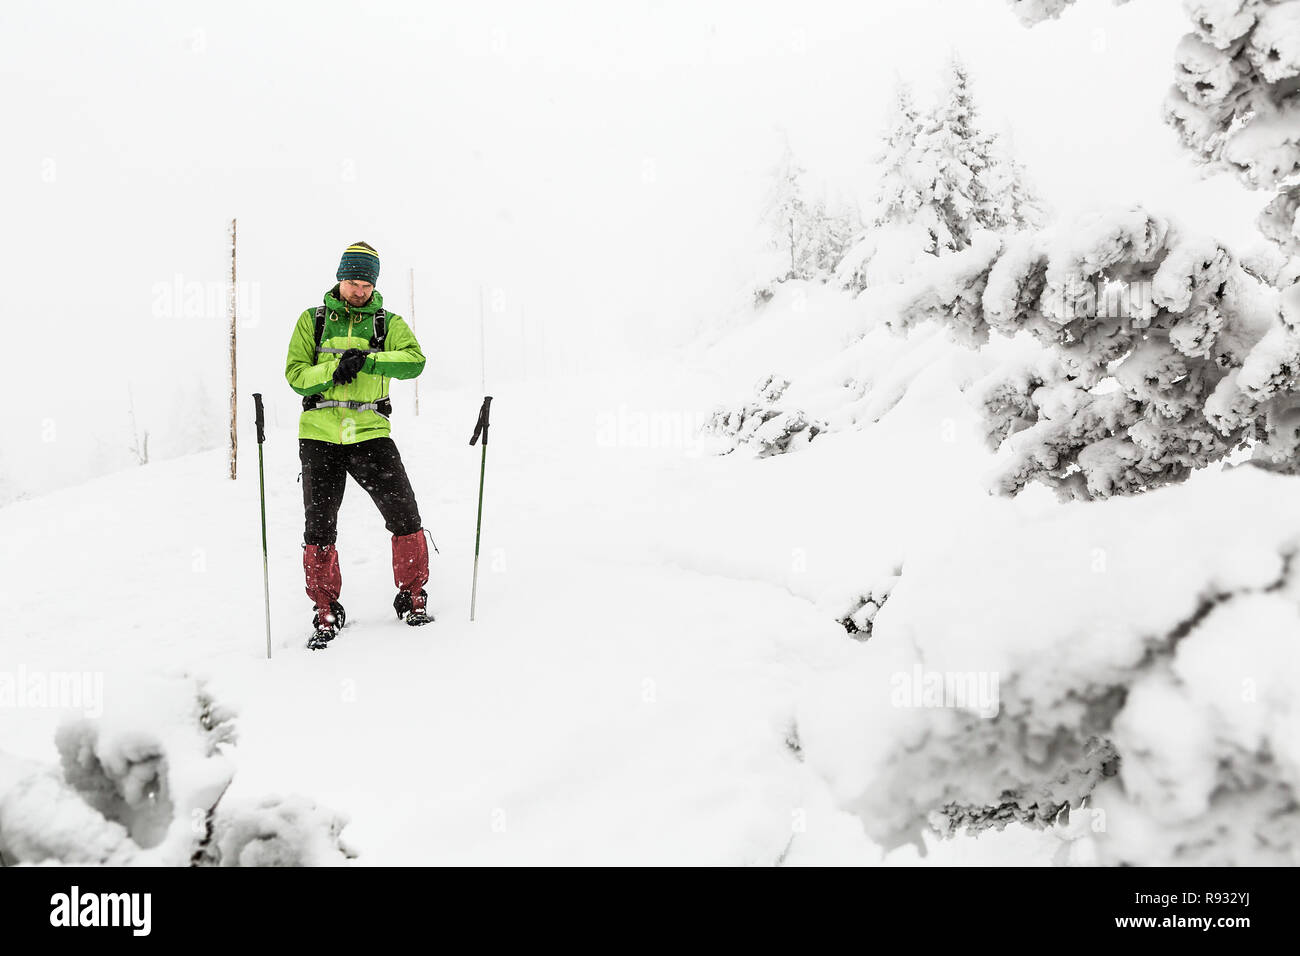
[[406, 607], [321, 637]]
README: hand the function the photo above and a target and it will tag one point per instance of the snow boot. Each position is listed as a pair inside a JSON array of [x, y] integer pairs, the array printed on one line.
[[413, 608], [320, 563], [340, 616], [323, 634], [410, 574], [327, 625]]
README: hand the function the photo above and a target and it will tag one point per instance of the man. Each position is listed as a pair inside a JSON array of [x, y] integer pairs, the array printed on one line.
[[341, 358]]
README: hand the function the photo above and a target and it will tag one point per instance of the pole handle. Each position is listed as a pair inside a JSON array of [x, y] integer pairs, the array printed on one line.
[[482, 425], [261, 421]]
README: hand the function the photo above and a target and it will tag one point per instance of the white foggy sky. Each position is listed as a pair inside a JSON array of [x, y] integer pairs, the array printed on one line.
[[509, 145]]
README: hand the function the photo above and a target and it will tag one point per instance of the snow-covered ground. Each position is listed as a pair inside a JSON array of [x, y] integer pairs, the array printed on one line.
[[625, 695], [658, 673]]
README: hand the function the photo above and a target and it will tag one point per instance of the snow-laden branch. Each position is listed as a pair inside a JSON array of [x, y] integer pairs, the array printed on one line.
[[1133, 662], [1235, 102], [1164, 354], [144, 786]]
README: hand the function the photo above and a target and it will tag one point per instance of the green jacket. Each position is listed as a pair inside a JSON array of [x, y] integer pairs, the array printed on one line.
[[346, 327]]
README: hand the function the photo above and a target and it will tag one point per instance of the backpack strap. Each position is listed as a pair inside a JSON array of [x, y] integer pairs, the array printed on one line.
[[320, 331], [379, 326]]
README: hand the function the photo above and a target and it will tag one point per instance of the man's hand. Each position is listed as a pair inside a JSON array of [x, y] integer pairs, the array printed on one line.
[[349, 366]]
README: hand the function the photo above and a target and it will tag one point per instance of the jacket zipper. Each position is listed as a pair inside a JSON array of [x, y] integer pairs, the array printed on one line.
[[348, 388]]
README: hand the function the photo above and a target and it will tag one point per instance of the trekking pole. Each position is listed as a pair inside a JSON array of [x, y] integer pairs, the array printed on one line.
[[480, 428], [261, 489]]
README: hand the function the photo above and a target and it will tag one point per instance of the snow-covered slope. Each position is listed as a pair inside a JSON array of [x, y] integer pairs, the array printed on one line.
[[625, 695], [658, 673], [1131, 656]]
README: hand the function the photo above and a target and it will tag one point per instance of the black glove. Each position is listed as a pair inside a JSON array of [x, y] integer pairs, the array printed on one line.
[[349, 366]]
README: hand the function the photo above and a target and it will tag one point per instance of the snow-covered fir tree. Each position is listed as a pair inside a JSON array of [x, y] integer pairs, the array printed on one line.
[[941, 177], [195, 423], [786, 214], [808, 235], [831, 230], [899, 195], [1010, 181], [892, 230], [957, 160]]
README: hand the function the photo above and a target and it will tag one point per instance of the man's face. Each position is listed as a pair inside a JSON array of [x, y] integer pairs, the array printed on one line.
[[355, 292]]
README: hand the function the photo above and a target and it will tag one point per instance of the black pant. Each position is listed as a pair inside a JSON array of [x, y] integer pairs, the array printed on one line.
[[376, 466]]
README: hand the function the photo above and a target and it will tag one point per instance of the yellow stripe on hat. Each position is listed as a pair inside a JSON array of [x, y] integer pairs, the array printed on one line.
[[369, 252]]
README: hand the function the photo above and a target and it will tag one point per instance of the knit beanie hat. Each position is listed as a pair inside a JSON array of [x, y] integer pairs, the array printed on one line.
[[360, 261]]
